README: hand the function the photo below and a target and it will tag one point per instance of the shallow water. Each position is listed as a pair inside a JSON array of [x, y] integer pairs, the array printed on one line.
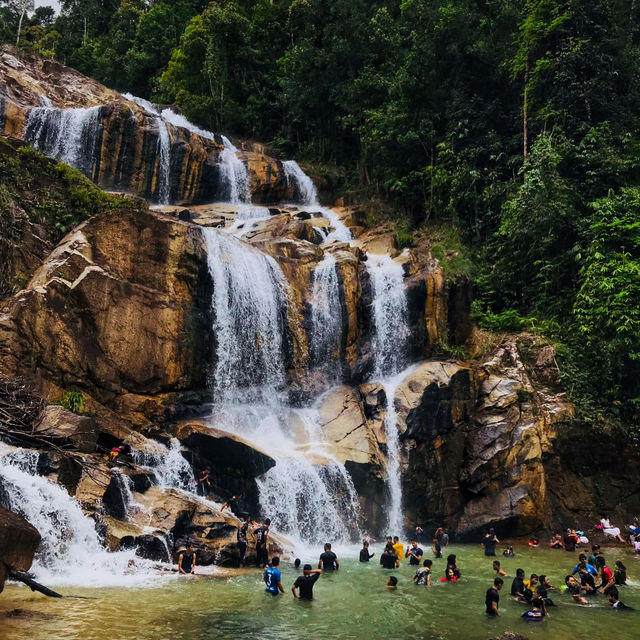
[[352, 603]]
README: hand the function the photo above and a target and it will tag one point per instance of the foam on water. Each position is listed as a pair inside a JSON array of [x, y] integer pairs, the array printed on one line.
[[71, 552]]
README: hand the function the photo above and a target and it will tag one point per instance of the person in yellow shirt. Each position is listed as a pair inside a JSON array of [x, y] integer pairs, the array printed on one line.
[[398, 547]]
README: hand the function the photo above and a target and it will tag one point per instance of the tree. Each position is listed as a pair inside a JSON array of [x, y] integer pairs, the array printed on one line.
[[22, 7]]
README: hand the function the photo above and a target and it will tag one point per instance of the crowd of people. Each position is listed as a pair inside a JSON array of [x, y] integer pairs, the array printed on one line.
[[589, 578]]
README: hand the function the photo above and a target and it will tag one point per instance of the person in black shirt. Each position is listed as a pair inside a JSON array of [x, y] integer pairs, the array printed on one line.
[[262, 536], [517, 586], [328, 559], [242, 539], [305, 583], [389, 559], [436, 548], [614, 599], [187, 560], [414, 553], [493, 597], [490, 541], [365, 556], [232, 504]]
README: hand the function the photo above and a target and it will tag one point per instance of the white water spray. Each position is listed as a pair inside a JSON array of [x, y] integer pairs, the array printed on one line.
[[326, 318], [249, 303], [69, 135], [70, 552], [234, 174]]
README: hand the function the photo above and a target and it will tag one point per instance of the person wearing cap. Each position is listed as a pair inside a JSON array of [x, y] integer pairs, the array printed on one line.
[[305, 583]]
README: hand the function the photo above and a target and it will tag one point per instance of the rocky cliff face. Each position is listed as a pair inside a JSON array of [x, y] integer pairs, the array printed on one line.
[[114, 141]]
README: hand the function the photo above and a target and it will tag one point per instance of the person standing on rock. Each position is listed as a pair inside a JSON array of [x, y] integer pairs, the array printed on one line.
[[262, 535], [187, 561], [231, 504], [204, 483], [273, 578], [490, 541], [328, 560], [492, 599], [242, 539]]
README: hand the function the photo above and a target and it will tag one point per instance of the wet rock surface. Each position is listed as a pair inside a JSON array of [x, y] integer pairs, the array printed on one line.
[[19, 541]]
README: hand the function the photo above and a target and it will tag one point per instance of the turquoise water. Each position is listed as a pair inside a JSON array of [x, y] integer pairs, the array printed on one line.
[[352, 603]]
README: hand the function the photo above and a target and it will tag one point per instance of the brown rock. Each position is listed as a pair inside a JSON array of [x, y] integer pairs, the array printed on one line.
[[65, 427], [18, 543]]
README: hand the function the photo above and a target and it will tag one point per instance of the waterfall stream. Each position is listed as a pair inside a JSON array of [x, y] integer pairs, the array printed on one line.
[[71, 551], [326, 319], [69, 135]]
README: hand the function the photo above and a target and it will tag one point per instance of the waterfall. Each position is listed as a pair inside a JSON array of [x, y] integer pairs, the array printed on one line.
[[246, 219], [303, 186], [178, 120], [249, 303], [125, 487], [163, 148], [233, 174], [69, 135], [326, 318], [164, 162], [390, 315], [308, 495], [70, 552], [391, 332], [169, 468]]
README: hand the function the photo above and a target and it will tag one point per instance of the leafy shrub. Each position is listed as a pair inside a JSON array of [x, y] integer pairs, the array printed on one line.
[[73, 401]]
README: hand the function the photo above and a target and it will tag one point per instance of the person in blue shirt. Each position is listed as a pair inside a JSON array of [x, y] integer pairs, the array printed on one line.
[[273, 578], [537, 612], [589, 567]]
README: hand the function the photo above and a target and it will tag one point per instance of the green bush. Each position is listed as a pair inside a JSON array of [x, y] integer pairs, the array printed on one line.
[[73, 401]]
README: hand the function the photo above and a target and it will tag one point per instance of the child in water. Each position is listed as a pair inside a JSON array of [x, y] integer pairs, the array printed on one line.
[[508, 552], [392, 583]]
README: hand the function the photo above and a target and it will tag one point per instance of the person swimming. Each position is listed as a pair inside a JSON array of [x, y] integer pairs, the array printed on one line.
[[392, 583]]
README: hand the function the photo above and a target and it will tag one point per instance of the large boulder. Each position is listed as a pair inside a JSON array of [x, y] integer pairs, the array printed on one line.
[[474, 443], [19, 541], [120, 310], [64, 427]]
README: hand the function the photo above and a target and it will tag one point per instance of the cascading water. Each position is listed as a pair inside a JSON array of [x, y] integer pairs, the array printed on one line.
[[326, 318], [168, 467], [70, 551], [249, 303], [69, 135], [307, 194], [163, 179], [389, 315], [305, 190], [234, 174], [308, 498], [391, 331]]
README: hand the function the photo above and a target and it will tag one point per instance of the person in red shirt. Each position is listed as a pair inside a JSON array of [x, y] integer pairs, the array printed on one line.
[[606, 574], [450, 577]]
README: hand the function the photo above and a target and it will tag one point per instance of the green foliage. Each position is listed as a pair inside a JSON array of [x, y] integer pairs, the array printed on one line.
[[72, 401], [403, 236], [422, 107], [453, 255]]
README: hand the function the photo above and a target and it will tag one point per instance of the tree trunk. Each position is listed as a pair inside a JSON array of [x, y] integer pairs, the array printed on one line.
[[24, 10], [525, 114], [32, 584]]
